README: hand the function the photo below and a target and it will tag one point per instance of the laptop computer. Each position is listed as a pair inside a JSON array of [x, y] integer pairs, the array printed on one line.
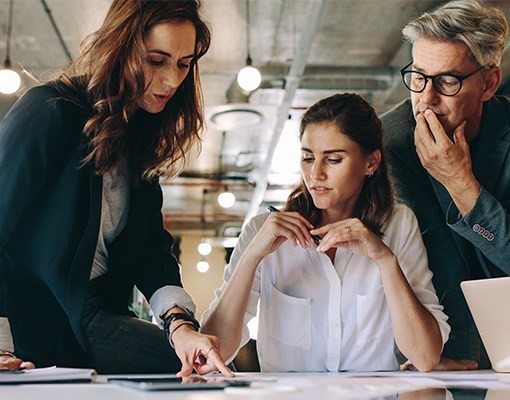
[[489, 303]]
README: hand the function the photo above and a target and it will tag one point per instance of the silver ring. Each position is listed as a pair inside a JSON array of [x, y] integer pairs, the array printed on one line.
[[348, 228]]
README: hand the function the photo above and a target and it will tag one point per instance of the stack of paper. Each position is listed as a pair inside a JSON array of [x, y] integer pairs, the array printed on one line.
[[47, 375]]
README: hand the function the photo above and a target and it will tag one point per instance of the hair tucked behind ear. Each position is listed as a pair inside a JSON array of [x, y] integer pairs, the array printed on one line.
[[356, 119], [109, 71]]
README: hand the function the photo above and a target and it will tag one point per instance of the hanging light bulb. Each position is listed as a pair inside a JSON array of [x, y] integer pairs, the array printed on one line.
[[249, 77], [9, 79], [202, 266], [226, 199], [204, 248]]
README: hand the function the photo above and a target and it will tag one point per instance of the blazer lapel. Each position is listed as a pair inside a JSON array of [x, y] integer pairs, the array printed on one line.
[[82, 262]]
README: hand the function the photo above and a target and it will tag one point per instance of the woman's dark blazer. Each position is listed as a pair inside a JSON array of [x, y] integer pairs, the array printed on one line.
[[49, 222]]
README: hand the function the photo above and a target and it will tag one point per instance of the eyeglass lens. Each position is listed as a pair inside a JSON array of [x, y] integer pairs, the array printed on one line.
[[445, 84]]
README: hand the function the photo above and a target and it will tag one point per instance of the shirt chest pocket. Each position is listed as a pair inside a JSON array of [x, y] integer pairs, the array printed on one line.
[[290, 320], [372, 316]]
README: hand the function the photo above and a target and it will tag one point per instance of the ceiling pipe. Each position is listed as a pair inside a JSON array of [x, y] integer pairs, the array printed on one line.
[[321, 77], [217, 184], [314, 12], [280, 71], [57, 31]]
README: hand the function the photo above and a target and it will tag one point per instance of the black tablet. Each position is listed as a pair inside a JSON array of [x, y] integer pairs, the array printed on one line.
[[174, 383]]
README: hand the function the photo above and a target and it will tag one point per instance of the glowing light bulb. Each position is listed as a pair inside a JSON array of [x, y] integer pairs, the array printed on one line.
[[9, 81], [203, 266], [204, 248], [249, 78], [226, 199]]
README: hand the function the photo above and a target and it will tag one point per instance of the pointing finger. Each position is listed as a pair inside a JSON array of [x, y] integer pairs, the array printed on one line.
[[215, 358]]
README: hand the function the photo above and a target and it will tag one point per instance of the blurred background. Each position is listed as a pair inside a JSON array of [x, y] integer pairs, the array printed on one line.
[[303, 49]]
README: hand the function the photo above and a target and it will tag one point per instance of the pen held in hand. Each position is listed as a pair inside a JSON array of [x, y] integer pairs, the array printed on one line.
[[274, 209]]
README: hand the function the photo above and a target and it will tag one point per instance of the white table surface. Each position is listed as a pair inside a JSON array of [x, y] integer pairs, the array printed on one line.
[[294, 386]]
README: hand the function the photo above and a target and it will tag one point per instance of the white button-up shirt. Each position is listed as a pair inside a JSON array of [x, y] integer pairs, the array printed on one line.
[[316, 316]]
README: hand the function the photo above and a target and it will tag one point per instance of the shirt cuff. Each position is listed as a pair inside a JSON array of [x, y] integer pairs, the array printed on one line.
[[168, 297]]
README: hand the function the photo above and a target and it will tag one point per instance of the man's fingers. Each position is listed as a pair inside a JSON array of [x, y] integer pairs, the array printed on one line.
[[435, 128], [459, 136], [422, 132]]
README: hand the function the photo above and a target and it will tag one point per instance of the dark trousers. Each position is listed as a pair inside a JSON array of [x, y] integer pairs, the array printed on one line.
[[126, 344]]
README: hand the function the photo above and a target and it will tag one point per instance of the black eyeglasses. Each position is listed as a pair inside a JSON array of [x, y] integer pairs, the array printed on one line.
[[445, 84]]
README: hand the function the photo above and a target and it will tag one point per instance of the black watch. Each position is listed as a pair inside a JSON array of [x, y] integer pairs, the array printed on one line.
[[174, 317]]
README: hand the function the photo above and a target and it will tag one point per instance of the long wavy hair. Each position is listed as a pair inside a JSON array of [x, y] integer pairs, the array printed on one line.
[[108, 75], [356, 119]]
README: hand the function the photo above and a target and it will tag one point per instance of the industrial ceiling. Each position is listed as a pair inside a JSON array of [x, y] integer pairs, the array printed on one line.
[[305, 50]]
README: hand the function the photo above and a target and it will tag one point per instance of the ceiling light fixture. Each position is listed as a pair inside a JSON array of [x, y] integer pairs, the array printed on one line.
[[249, 77], [9, 79], [226, 199], [204, 248], [202, 266]]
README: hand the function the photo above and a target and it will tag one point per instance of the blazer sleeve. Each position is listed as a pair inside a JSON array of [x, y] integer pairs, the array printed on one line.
[[31, 146], [160, 267], [486, 226], [159, 278]]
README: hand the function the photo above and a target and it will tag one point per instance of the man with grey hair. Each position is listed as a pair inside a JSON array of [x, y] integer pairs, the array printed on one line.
[[448, 148]]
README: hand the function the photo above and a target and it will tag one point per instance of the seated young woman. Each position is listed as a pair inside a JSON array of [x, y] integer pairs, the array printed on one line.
[[356, 298]]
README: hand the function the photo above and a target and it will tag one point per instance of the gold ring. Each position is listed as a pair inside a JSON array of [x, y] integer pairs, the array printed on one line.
[[348, 228]]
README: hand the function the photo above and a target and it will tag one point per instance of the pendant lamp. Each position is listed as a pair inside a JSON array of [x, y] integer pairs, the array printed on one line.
[[249, 77], [10, 80]]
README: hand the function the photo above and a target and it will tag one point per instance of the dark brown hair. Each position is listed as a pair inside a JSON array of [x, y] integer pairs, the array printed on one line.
[[109, 71], [356, 119]]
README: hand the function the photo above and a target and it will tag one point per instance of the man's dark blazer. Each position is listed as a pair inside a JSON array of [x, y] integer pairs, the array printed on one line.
[[50, 206], [459, 248]]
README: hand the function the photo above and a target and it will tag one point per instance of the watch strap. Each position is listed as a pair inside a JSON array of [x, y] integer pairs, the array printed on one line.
[[179, 316]]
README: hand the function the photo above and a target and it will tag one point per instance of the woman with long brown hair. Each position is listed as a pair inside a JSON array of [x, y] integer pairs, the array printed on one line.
[[80, 209], [341, 273]]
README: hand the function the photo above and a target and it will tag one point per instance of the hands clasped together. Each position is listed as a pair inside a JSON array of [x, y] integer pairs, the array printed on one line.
[[349, 233]]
